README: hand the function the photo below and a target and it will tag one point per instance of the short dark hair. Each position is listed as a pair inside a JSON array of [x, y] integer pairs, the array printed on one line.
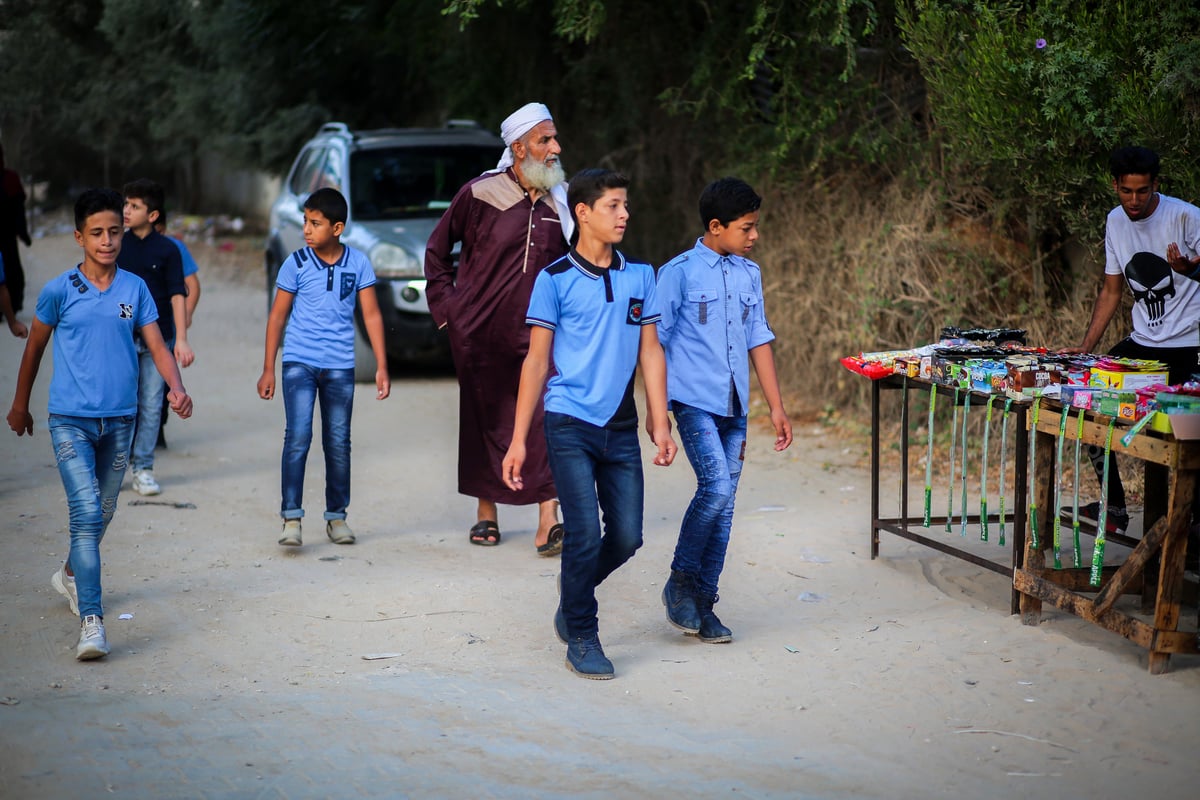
[[589, 185], [330, 202], [148, 191], [1133, 161], [727, 199], [93, 201]]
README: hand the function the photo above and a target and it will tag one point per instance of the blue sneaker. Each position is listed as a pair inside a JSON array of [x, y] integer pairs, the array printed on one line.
[[679, 597], [560, 626], [586, 659]]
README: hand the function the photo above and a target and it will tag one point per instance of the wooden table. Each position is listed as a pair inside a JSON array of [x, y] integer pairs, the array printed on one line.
[[1154, 568], [907, 526]]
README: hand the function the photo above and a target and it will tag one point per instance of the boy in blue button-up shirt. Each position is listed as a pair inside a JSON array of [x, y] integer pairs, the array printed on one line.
[[713, 326]]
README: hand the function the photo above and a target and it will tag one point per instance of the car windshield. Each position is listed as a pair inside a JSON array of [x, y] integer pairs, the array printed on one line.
[[395, 183]]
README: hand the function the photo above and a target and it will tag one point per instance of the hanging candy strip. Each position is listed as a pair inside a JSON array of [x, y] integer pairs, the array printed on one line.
[[929, 458], [1102, 522], [1062, 435], [1077, 556], [1003, 461], [983, 513], [963, 507], [953, 439], [1033, 524]]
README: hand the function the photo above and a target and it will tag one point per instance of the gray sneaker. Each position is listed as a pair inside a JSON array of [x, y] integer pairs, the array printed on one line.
[[92, 642], [291, 533], [339, 532], [64, 584]]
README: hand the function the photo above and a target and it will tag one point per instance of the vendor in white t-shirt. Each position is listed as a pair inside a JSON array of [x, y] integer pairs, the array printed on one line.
[[1152, 243]]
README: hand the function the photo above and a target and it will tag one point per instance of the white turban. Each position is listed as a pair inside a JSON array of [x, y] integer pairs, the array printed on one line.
[[516, 125]]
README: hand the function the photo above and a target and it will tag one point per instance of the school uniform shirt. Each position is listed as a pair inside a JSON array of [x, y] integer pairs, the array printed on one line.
[[95, 359], [712, 317], [1166, 305], [320, 330], [157, 262], [597, 316]]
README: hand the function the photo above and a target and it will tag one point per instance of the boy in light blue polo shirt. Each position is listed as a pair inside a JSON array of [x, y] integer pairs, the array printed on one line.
[[315, 296], [93, 311], [595, 311], [713, 327]]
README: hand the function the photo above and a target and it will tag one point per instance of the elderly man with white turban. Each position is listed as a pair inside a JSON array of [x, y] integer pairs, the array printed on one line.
[[512, 221]]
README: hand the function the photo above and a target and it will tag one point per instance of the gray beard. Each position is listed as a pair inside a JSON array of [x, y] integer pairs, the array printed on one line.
[[541, 177]]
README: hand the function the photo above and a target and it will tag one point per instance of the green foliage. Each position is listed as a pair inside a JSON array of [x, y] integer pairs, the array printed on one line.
[[1030, 97]]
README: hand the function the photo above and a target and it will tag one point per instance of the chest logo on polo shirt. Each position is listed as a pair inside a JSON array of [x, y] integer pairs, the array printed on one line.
[[126, 310], [347, 285], [634, 317]]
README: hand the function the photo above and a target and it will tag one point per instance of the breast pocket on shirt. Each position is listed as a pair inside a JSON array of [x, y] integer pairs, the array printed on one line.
[[749, 304], [700, 304]]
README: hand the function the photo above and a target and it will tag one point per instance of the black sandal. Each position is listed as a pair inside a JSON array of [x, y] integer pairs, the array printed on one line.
[[485, 533], [554, 541]]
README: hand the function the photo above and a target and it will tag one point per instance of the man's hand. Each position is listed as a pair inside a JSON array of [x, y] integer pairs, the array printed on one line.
[[783, 430], [266, 384], [18, 329], [20, 421], [383, 384], [665, 443], [1181, 263]]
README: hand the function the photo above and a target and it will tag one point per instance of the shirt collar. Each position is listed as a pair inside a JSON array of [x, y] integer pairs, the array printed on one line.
[[590, 269], [708, 256]]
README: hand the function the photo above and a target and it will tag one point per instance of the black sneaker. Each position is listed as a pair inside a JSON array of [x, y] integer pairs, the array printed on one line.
[[1089, 517]]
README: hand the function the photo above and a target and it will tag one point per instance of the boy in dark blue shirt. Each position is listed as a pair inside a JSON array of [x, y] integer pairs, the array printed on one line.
[[595, 312], [151, 256]]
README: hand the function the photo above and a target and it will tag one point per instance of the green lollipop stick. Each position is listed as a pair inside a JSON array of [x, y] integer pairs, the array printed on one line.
[[1033, 525], [1003, 461], [1062, 435], [983, 514], [1102, 522], [929, 457], [1077, 555], [963, 508], [953, 440]]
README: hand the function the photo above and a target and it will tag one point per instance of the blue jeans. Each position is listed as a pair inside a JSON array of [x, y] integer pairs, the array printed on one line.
[[334, 389], [592, 467], [150, 402], [92, 454], [716, 449]]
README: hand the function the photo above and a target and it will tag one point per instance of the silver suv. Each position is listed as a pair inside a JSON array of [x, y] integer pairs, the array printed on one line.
[[398, 182]]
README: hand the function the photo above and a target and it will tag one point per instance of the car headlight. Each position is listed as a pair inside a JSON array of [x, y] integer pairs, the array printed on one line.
[[390, 261]]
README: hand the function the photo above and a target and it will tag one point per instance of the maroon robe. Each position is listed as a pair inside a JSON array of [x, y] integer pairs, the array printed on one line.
[[506, 242]]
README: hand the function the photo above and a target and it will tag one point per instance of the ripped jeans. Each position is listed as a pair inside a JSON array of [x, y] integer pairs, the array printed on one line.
[[92, 455]]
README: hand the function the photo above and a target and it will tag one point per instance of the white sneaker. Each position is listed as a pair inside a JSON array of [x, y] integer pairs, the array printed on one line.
[[291, 533], [64, 584], [92, 642], [339, 532], [144, 483]]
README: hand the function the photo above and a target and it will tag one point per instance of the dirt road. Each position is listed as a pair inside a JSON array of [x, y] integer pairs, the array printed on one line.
[[415, 665]]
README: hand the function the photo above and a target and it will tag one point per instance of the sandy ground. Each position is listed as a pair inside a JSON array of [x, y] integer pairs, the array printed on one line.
[[415, 665]]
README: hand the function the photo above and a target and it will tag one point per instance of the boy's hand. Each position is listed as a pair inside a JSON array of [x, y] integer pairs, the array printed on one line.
[[666, 446], [266, 384], [18, 328], [514, 459], [184, 354], [783, 430], [20, 421], [383, 384], [181, 403], [1179, 262]]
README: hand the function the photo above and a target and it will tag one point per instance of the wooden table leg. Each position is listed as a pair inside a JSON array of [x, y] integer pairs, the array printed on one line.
[[1170, 576], [1035, 557]]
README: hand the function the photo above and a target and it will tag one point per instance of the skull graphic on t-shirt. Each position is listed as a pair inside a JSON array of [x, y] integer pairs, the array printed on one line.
[[1151, 281]]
